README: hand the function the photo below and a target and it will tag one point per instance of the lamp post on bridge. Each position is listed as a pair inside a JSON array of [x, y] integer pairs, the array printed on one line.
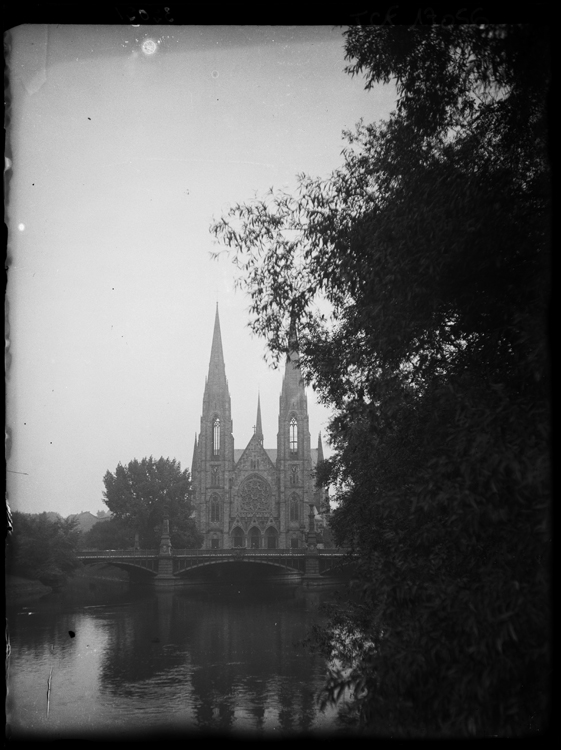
[[165, 541]]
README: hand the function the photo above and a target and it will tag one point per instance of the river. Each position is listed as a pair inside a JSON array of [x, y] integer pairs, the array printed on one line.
[[125, 661]]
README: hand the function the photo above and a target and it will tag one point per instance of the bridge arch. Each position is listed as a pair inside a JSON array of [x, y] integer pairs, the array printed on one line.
[[136, 569], [147, 564], [240, 567], [341, 566]]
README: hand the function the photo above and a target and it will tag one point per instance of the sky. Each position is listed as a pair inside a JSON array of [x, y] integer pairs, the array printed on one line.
[[125, 143]]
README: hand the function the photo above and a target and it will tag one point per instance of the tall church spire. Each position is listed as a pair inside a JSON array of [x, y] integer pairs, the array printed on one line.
[[216, 369], [194, 461], [294, 459], [214, 447], [292, 337], [293, 385], [258, 427], [320, 449]]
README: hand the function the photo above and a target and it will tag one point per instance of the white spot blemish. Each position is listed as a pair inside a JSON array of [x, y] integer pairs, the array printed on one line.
[[21, 227], [149, 46]]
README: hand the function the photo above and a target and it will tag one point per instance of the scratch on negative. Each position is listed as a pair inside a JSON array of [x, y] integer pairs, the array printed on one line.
[[49, 691]]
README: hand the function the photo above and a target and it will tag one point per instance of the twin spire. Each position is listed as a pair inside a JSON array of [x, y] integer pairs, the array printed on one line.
[[292, 381]]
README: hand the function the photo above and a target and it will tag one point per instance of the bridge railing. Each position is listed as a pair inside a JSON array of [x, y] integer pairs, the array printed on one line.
[[293, 552], [334, 550], [247, 551], [238, 551], [117, 553]]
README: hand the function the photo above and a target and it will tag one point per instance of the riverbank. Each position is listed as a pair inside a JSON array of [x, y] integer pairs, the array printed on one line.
[[20, 589]]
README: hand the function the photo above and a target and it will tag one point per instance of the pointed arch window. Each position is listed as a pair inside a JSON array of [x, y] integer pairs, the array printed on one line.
[[216, 436], [293, 435], [214, 509], [294, 508], [293, 475], [214, 481]]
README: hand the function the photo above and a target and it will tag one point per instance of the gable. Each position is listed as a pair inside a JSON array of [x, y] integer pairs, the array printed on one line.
[[254, 457], [272, 454]]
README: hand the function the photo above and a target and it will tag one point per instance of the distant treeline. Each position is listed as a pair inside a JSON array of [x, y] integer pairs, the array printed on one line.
[[42, 547]]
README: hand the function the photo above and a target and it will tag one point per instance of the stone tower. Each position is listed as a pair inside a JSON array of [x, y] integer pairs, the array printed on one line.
[[294, 458], [213, 458], [256, 497]]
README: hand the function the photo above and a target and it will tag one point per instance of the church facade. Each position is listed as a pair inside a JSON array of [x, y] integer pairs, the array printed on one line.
[[256, 497]]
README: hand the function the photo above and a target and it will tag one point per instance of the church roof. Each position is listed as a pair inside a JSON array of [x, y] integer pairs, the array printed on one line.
[[272, 453]]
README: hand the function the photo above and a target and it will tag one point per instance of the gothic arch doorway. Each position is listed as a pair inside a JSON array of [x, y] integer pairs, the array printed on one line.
[[254, 538], [237, 537], [271, 538]]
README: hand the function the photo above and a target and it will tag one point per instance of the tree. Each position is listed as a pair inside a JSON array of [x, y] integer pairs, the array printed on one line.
[[430, 247], [114, 533], [42, 549], [138, 495]]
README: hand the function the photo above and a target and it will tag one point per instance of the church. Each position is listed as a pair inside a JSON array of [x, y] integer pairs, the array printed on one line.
[[255, 497]]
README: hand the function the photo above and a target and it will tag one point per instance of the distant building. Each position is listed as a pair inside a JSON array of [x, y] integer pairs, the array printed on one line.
[[254, 497], [86, 520]]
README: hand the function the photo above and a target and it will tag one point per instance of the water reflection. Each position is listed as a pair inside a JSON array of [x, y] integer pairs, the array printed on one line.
[[223, 659]]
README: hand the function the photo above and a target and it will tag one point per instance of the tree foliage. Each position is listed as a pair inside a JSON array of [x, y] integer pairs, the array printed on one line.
[[114, 533], [430, 246], [138, 495], [41, 548]]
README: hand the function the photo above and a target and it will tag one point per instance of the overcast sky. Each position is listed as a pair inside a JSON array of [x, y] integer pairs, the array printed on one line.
[[121, 159]]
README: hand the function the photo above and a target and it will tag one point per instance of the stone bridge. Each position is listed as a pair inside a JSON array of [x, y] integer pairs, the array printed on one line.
[[175, 566]]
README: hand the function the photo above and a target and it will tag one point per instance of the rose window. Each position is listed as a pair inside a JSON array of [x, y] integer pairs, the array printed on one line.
[[255, 497]]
